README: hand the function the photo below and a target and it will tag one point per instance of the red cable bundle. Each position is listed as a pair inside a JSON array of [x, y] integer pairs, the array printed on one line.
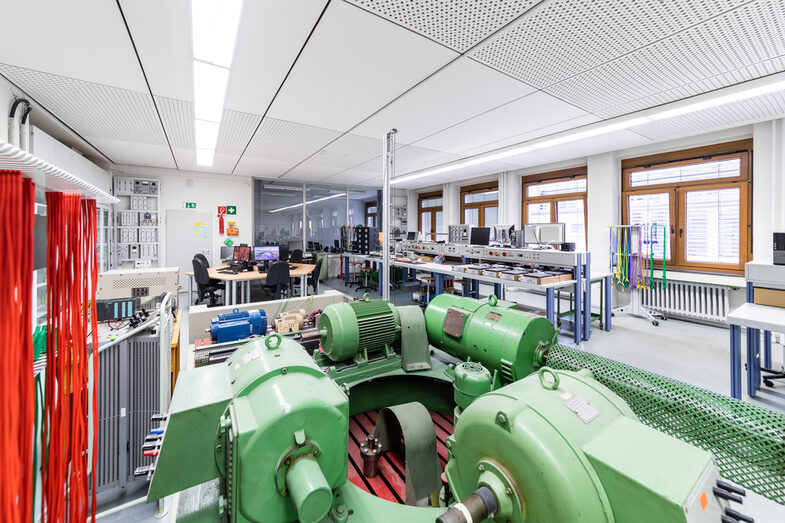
[[17, 393], [71, 261]]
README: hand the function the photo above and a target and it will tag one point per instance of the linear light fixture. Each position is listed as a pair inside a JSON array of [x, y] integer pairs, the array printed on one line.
[[296, 205], [214, 25], [619, 125]]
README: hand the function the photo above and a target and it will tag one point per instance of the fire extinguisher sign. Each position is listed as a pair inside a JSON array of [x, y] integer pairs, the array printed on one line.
[[222, 209]]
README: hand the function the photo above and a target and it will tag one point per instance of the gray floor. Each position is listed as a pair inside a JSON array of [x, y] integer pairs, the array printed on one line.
[[690, 352]]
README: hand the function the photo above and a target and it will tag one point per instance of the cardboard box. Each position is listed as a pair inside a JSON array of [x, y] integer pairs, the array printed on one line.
[[770, 297]]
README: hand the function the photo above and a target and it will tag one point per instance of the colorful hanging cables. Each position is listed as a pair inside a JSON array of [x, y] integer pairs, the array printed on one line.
[[632, 255], [17, 392], [71, 286]]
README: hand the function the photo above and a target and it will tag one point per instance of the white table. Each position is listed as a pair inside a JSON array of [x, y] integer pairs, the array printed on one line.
[[755, 318]]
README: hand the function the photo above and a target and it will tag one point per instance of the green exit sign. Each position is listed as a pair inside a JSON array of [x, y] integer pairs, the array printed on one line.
[[189, 205]]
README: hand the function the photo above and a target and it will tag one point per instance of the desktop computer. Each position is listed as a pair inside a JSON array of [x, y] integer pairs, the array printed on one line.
[[283, 252], [227, 253], [295, 244], [241, 253]]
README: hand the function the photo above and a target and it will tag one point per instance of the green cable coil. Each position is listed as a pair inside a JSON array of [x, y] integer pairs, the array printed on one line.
[[747, 441]]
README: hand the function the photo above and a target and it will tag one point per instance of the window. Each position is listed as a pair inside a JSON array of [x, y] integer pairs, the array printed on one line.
[[430, 214], [702, 197], [480, 204], [558, 197], [370, 214]]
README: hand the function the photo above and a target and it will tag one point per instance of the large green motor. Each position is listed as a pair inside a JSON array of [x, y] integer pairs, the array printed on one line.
[[494, 333], [349, 328], [270, 423], [559, 446]]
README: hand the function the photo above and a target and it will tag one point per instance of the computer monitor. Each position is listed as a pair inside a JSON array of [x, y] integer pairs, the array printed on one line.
[[241, 253], [227, 253], [266, 253], [295, 244], [480, 236], [412, 236], [544, 233], [337, 244], [283, 251], [310, 246]]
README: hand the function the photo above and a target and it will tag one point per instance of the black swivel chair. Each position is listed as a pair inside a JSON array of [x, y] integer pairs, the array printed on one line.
[[202, 257], [204, 285], [277, 281], [296, 256], [313, 278]]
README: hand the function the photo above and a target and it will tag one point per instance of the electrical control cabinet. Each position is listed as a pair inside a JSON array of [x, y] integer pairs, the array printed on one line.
[[137, 221]]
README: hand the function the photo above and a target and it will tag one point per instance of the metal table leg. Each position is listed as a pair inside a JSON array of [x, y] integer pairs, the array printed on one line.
[[475, 292], [767, 349], [606, 286], [549, 308], [346, 270], [227, 292], [190, 290], [497, 290], [735, 361], [379, 282], [577, 290], [587, 297], [303, 286], [439, 283], [234, 292], [753, 361]]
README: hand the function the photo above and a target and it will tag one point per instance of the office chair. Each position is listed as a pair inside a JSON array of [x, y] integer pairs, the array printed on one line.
[[313, 278], [277, 281], [202, 257], [204, 285], [296, 256]]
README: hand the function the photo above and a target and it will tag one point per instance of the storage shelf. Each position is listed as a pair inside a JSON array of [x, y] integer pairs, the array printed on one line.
[[47, 175]]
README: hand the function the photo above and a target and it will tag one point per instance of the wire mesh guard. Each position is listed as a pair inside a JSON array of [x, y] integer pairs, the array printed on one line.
[[747, 441]]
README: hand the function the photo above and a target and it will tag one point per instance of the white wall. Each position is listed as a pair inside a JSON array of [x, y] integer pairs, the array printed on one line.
[[208, 191]]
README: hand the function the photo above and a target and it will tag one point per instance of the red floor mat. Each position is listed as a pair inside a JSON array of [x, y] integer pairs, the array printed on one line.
[[390, 484]]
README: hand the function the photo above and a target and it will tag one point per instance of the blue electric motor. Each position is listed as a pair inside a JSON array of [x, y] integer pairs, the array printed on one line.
[[238, 325]]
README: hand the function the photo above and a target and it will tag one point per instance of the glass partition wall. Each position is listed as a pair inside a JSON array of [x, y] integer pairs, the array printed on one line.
[[279, 209]]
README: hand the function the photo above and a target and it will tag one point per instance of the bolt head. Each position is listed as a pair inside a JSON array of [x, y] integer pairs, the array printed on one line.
[[481, 468], [508, 491]]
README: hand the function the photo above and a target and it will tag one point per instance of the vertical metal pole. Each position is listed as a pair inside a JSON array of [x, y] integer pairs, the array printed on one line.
[[387, 174], [303, 233]]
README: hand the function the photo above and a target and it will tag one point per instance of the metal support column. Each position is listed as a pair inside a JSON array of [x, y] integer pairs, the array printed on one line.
[[608, 313], [438, 283], [577, 290], [767, 349], [735, 361], [388, 171], [550, 312], [345, 269], [498, 291], [587, 296], [753, 361]]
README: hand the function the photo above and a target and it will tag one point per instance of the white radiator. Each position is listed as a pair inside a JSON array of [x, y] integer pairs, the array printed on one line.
[[700, 301]]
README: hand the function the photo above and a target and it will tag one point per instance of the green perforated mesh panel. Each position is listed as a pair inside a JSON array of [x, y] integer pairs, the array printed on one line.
[[748, 441]]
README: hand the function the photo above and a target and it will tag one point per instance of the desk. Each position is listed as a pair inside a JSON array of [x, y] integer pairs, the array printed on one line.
[[755, 318], [230, 280]]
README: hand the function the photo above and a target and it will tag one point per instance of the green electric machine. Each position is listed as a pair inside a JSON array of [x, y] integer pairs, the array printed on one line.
[[265, 435]]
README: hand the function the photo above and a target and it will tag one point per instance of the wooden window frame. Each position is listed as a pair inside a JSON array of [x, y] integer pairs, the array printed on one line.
[[552, 176], [478, 188], [740, 149], [432, 210]]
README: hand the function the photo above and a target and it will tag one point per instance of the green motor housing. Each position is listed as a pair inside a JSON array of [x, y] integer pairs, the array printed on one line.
[[348, 328], [559, 446], [494, 333]]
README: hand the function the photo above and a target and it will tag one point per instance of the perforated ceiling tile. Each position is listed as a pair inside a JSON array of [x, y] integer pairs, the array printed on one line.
[[94, 110], [236, 129], [759, 108], [739, 45], [561, 38], [289, 141], [178, 117], [458, 24]]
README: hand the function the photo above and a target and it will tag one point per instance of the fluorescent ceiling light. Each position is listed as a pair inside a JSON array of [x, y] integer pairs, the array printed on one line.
[[206, 134], [214, 30], [205, 157], [498, 156], [308, 203], [591, 133], [719, 100], [209, 91]]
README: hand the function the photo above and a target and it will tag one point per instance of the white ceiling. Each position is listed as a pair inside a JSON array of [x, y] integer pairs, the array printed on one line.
[[315, 83]]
